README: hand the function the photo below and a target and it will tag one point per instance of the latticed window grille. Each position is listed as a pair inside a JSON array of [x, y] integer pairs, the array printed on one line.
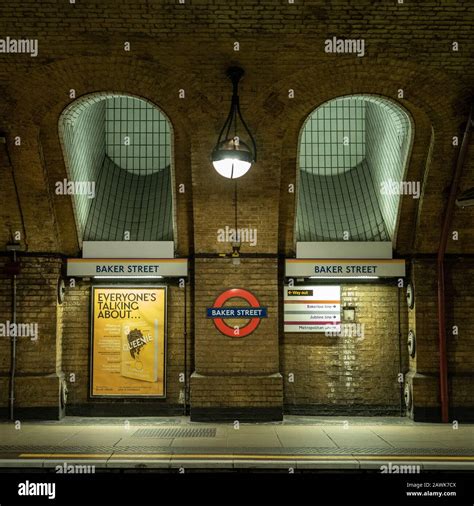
[[348, 148], [123, 145]]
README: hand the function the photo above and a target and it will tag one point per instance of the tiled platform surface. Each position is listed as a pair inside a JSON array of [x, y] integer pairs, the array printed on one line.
[[297, 442]]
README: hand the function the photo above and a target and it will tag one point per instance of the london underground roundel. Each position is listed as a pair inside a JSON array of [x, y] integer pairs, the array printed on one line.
[[253, 313]]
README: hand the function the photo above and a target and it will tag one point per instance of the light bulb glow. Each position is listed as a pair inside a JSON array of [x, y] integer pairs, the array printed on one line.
[[127, 277], [344, 277], [231, 168]]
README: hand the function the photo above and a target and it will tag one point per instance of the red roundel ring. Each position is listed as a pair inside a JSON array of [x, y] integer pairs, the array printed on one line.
[[243, 294]]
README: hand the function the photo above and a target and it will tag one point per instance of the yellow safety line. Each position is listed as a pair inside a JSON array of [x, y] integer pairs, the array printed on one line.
[[72, 455], [248, 456], [418, 457]]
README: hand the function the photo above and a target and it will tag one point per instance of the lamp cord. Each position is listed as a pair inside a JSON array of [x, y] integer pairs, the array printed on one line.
[[235, 203], [235, 106]]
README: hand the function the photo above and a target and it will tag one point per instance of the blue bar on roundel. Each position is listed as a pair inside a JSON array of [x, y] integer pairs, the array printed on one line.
[[237, 312]]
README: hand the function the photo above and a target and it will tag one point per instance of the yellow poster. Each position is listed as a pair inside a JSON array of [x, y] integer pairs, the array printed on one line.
[[128, 341]]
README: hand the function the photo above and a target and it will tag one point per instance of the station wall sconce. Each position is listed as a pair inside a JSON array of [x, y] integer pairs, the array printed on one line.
[[235, 253], [232, 157], [348, 313], [411, 343], [408, 396], [61, 290], [410, 295]]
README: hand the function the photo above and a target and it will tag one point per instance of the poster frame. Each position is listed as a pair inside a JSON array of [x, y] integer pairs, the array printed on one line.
[[91, 341]]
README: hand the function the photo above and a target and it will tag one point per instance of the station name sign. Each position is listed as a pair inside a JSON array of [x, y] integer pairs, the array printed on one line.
[[253, 313], [90, 267], [237, 312], [344, 268]]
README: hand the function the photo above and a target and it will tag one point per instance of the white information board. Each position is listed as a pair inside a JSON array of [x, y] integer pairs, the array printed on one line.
[[312, 308]]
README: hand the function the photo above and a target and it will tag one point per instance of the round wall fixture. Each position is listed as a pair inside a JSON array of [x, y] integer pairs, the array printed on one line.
[[408, 396], [63, 394], [61, 290], [411, 344], [410, 295]]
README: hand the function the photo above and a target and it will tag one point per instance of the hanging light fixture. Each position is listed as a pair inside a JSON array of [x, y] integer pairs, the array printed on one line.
[[232, 157]]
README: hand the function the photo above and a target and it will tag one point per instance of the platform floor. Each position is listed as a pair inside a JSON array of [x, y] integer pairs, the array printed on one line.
[[298, 442]]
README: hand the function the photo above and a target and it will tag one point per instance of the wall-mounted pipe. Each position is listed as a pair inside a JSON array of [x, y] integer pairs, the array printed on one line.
[[448, 216], [185, 336], [400, 361], [13, 248]]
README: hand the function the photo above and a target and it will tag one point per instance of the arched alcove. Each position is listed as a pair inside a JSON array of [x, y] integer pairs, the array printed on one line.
[[353, 152], [121, 144]]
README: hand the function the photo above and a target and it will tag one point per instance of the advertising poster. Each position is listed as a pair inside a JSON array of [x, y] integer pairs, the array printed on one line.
[[312, 308], [128, 341]]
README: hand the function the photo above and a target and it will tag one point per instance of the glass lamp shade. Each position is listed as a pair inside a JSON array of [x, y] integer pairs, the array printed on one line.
[[232, 168], [232, 160]]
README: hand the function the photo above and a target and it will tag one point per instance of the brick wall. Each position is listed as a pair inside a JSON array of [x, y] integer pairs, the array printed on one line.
[[188, 46], [236, 373], [423, 320], [5, 315], [76, 356], [38, 357], [353, 373], [219, 354]]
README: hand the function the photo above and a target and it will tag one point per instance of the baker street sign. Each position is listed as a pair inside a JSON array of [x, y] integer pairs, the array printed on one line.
[[253, 313], [115, 267], [315, 268]]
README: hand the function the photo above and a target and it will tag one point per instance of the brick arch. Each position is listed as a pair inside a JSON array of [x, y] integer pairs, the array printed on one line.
[[384, 214], [433, 117], [89, 74], [38, 114], [156, 184]]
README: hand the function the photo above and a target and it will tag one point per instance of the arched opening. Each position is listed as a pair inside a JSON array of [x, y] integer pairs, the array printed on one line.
[[120, 148], [352, 159]]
